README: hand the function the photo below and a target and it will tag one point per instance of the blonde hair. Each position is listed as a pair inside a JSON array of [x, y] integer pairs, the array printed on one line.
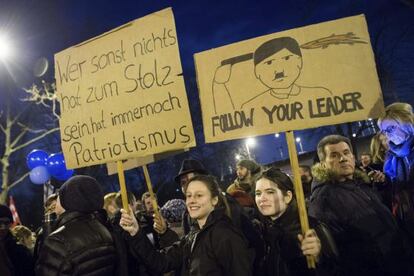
[[109, 199], [378, 150], [402, 114]]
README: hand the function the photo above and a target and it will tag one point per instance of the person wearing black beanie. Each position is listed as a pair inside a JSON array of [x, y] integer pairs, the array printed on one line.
[[79, 228], [81, 193]]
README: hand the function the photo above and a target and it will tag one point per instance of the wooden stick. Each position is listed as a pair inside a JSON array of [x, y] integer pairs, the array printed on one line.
[[122, 185], [300, 197], [149, 186]]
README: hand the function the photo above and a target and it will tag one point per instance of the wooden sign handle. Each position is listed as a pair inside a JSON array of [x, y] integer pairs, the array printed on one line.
[[149, 186], [300, 197], [122, 185]]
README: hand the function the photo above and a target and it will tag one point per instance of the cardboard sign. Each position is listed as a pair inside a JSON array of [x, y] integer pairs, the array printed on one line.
[[140, 161], [307, 77], [122, 94]]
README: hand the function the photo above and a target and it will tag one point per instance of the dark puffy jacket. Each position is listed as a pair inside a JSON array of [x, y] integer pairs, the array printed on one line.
[[217, 249], [283, 254], [81, 245], [368, 238]]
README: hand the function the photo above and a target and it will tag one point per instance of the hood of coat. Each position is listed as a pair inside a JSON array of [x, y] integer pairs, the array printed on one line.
[[322, 175]]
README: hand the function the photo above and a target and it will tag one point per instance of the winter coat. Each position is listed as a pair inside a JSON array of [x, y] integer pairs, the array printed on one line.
[[217, 249], [243, 221], [129, 264], [81, 245], [399, 167], [15, 257], [284, 256], [368, 238]]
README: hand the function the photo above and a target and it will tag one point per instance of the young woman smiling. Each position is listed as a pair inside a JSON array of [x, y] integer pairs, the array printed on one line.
[[286, 247], [215, 248]]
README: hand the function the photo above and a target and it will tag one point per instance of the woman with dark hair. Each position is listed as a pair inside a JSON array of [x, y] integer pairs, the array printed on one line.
[[215, 248], [398, 125], [286, 247]]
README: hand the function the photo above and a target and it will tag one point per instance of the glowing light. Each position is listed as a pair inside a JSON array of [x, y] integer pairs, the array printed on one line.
[[298, 139], [6, 51], [250, 142], [277, 135]]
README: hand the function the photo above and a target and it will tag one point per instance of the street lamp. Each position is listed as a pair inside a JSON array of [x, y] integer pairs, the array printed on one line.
[[250, 142], [300, 144], [6, 51]]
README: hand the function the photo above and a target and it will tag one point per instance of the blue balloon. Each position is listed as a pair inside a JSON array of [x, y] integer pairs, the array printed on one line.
[[56, 164], [36, 158], [39, 175], [65, 176]]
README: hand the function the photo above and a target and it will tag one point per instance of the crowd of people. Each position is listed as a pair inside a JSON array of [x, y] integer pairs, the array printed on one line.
[[361, 217]]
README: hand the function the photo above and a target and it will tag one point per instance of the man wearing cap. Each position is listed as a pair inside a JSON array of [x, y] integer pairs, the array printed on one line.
[[15, 259], [243, 187], [81, 243]]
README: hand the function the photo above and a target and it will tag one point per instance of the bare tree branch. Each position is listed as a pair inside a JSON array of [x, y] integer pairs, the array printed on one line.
[[18, 180], [17, 139], [35, 139]]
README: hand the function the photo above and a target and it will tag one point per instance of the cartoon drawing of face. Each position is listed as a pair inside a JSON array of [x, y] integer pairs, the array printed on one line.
[[280, 70], [278, 62]]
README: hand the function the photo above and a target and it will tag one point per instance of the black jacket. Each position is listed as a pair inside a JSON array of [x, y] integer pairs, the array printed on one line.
[[283, 254], [217, 249], [15, 257], [81, 245], [243, 221], [367, 236]]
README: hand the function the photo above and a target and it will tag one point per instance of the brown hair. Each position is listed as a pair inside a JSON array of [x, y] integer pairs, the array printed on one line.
[[281, 179], [213, 187], [378, 150], [331, 140]]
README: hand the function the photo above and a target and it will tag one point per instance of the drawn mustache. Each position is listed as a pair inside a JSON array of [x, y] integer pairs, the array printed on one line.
[[279, 75]]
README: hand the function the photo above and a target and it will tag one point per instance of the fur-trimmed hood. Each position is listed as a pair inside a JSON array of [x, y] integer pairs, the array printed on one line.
[[323, 175]]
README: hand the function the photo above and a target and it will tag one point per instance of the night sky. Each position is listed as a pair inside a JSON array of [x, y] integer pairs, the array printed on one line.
[[42, 28]]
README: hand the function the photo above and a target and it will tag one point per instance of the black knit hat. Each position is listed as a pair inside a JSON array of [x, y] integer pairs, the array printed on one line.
[[6, 213], [190, 166], [81, 193], [251, 165]]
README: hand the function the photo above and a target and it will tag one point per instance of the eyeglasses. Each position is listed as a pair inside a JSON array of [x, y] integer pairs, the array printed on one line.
[[389, 130]]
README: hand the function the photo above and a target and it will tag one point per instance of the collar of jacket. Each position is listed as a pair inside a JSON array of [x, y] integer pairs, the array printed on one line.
[[324, 175], [288, 220], [215, 215], [67, 217]]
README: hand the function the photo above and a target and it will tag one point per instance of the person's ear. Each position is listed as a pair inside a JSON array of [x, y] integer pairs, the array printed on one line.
[[288, 197], [214, 201]]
